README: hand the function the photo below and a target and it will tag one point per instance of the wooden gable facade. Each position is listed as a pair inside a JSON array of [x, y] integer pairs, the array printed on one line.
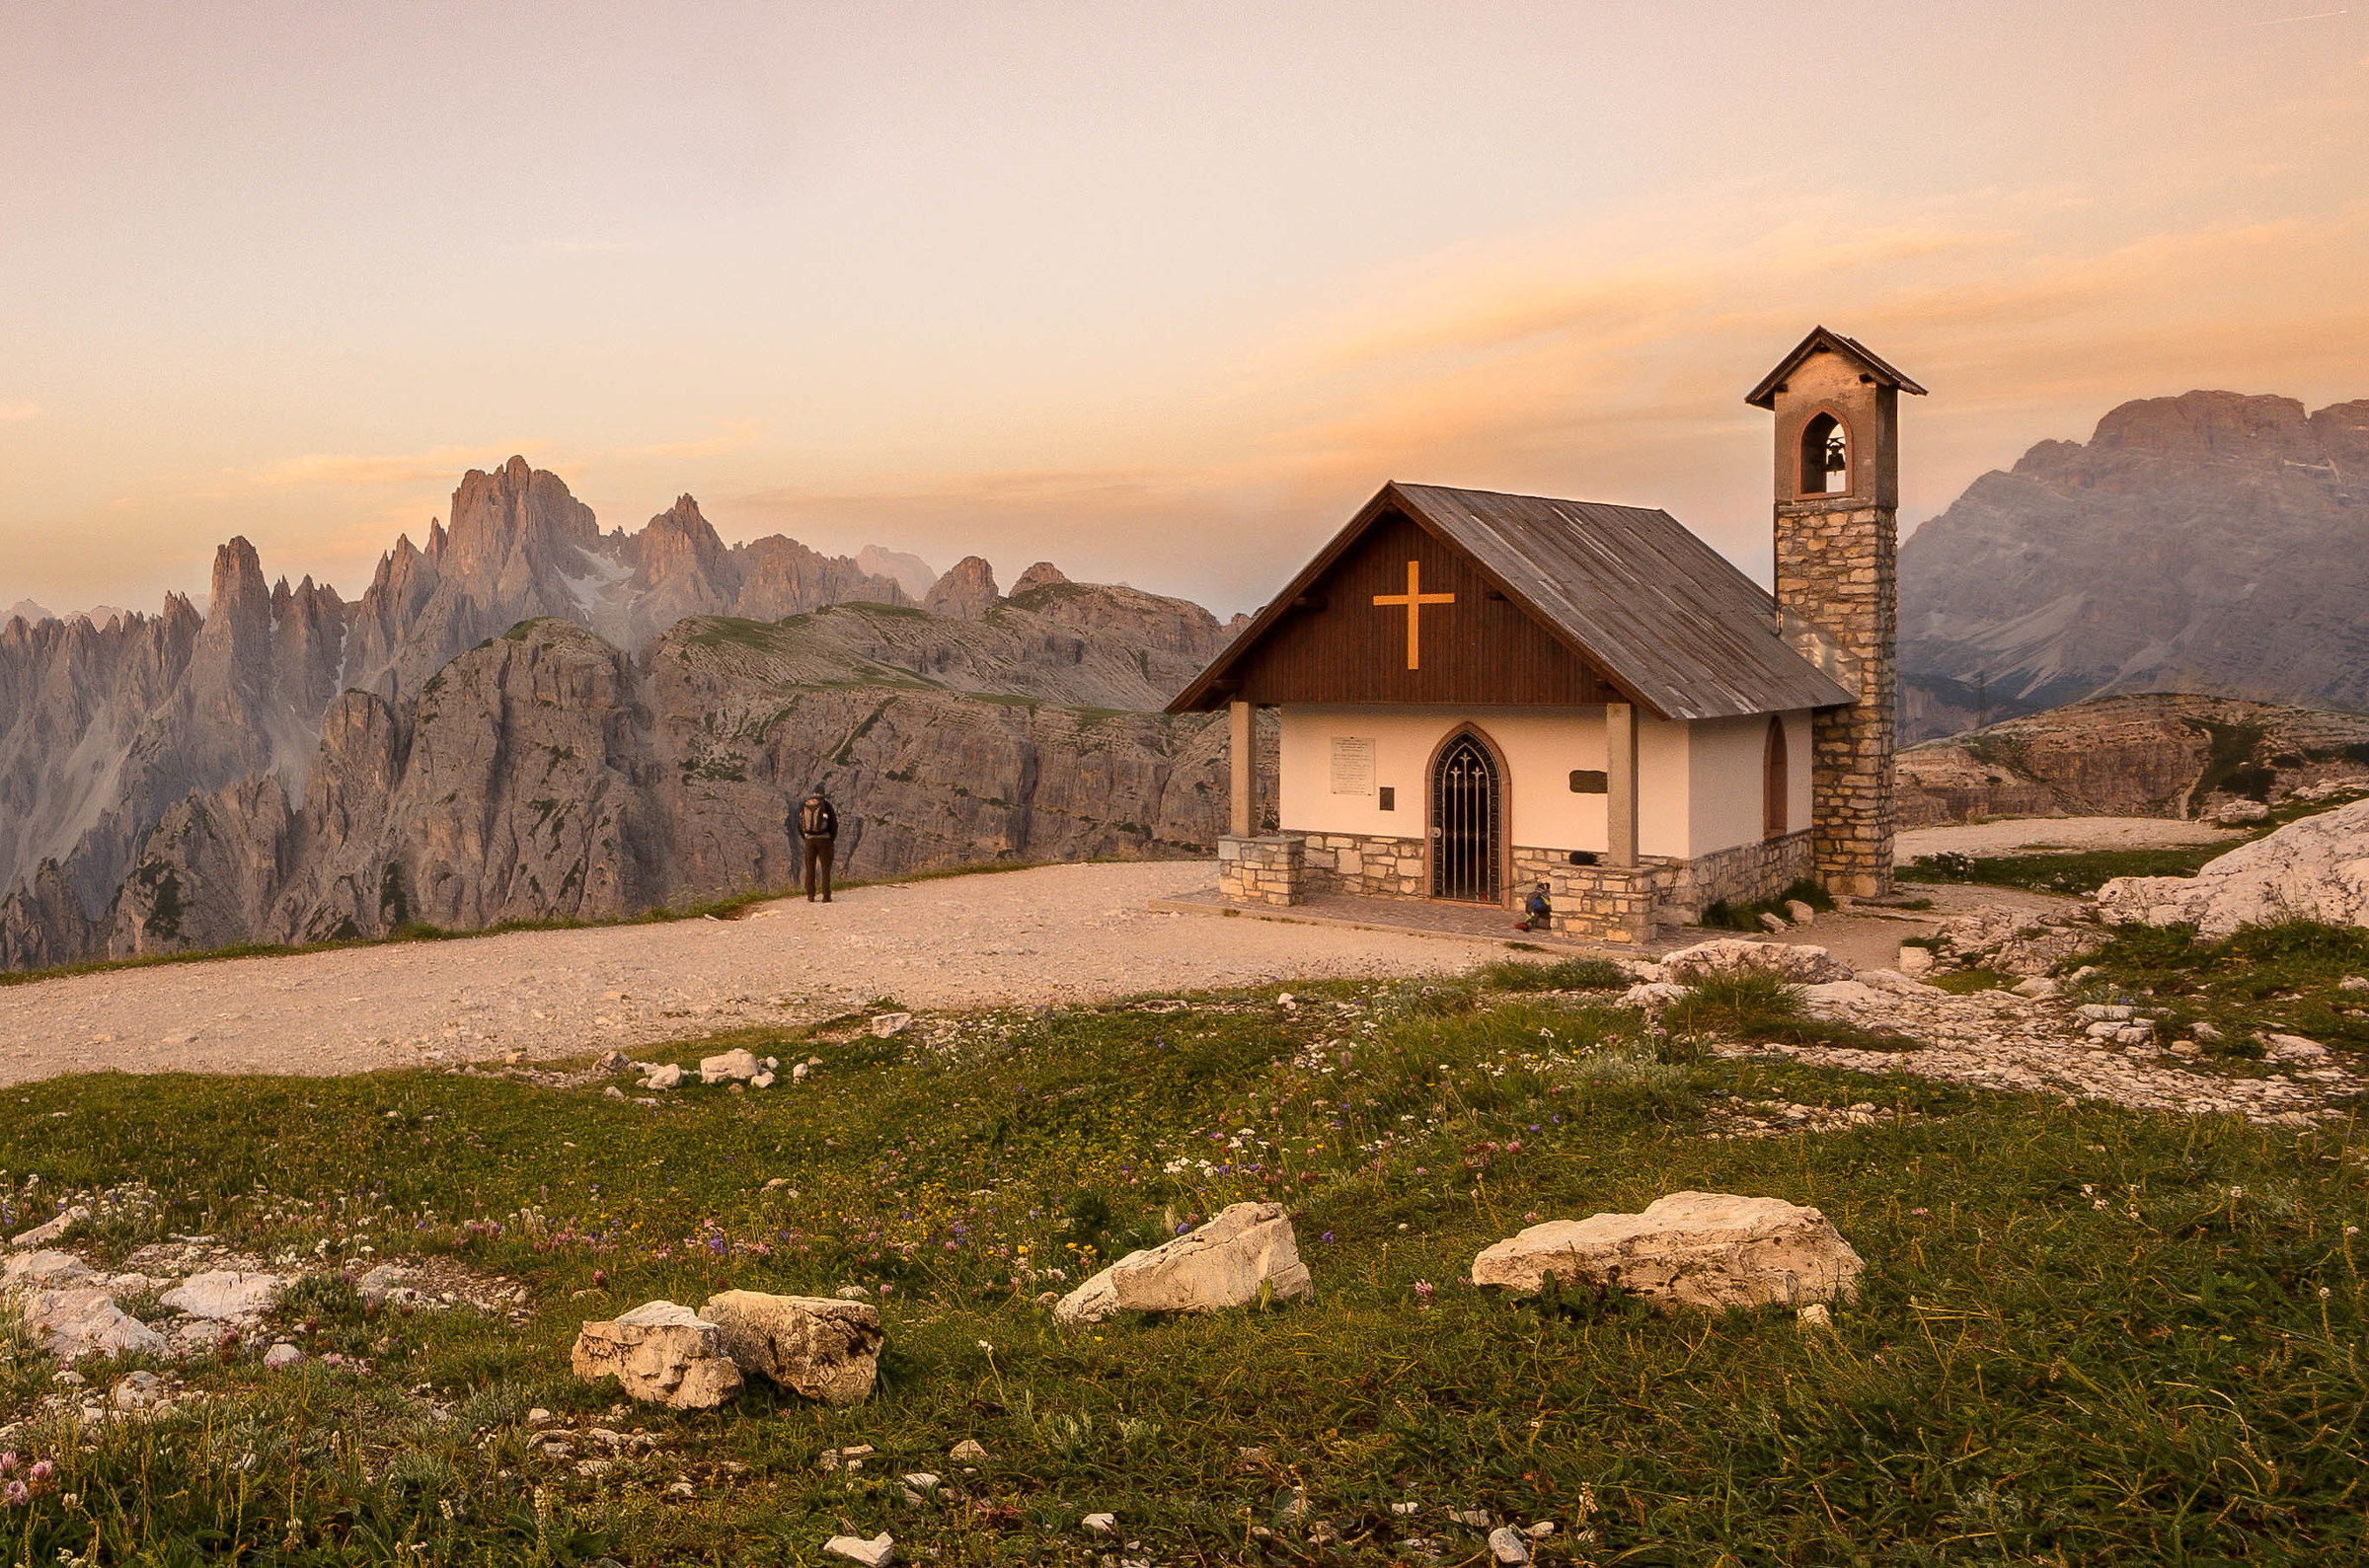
[[1394, 613]]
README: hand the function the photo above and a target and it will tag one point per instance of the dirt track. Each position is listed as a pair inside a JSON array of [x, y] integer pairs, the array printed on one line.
[[1061, 934]]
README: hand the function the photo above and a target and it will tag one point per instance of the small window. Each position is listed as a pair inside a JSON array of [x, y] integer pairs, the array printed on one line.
[[1390, 798], [1825, 457], [1773, 784]]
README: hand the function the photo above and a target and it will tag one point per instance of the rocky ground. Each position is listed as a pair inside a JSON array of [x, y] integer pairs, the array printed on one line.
[[1048, 936]]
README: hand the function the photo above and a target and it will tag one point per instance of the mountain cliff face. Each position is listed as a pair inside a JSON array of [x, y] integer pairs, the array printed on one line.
[[2140, 756], [109, 725], [2210, 542], [549, 775], [187, 780]]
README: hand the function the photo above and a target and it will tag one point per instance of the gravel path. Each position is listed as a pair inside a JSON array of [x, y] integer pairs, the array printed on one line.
[[1057, 935], [2017, 834]]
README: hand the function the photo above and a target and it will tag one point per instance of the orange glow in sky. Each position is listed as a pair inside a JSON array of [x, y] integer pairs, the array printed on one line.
[[1160, 292]]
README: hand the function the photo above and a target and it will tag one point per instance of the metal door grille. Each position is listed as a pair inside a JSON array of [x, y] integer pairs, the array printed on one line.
[[1467, 816]]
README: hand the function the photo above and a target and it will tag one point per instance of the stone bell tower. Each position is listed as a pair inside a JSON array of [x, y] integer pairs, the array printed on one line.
[[1838, 498]]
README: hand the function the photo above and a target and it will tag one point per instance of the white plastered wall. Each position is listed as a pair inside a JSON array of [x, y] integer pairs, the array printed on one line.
[[1541, 746], [1699, 783], [1725, 779]]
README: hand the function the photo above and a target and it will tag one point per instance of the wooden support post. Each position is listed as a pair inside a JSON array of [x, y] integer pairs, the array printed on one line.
[[1246, 816], [1620, 783]]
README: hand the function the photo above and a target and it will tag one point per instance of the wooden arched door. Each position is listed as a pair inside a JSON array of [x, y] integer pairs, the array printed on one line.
[[1468, 822]]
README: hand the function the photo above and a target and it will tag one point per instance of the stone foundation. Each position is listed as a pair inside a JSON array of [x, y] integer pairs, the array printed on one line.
[[1365, 865], [1744, 874], [1263, 870], [1592, 903]]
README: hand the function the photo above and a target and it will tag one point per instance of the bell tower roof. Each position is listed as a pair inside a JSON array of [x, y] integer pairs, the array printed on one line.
[[1821, 340]]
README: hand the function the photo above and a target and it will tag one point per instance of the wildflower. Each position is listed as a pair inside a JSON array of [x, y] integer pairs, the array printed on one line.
[[41, 1471], [1423, 1291], [17, 1495]]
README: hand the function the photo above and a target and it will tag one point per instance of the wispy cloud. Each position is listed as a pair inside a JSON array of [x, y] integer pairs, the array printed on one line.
[[14, 413], [445, 464]]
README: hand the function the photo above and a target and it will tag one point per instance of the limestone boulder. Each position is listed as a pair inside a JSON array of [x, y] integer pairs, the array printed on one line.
[[1711, 1250], [1733, 955], [2315, 868], [40, 1236], [824, 1349], [660, 1351], [224, 1295], [84, 1320], [732, 1067], [1247, 1250], [54, 1270]]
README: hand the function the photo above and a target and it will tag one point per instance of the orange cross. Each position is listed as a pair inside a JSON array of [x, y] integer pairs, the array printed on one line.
[[1413, 599]]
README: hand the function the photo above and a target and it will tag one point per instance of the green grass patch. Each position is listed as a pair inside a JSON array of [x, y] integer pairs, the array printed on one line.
[[1566, 974], [2086, 1336], [2083, 871], [2262, 979]]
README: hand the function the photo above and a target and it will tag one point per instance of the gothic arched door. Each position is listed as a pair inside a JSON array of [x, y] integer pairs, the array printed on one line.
[[1468, 821]]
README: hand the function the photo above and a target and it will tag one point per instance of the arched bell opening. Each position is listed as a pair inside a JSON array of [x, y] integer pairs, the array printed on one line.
[[1825, 457]]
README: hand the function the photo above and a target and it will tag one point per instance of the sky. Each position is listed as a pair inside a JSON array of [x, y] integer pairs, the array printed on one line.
[[1160, 292]]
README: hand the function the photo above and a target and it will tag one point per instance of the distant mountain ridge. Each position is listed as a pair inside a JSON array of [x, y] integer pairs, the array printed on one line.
[[2214, 542], [108, 730]]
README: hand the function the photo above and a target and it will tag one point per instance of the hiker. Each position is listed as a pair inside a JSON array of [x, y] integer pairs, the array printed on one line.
[[819, 825], [1537, 912]]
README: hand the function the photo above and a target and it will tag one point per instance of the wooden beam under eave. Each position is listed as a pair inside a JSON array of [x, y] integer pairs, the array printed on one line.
[[1238, 747], [1619, 784]]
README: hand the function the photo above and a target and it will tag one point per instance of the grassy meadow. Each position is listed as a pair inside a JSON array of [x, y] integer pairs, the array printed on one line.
[[2085, 1336]]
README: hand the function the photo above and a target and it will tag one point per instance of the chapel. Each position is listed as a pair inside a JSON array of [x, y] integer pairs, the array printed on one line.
[[1478, 692]]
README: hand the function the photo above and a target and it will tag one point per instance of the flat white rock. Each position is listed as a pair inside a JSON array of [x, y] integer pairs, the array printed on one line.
[[1710, 1250], [1245, 1250]]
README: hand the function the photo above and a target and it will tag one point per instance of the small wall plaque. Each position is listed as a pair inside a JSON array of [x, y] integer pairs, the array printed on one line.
[[1390, 798], [1352, 765], [1587, 781]]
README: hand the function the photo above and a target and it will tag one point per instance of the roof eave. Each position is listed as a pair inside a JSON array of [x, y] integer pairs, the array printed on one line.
[[1764, 396]]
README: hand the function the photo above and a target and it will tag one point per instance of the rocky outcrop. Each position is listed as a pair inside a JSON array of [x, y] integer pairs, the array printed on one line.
[[1709, 1250], [1247, 1251], [2211, 542], [2315, 869], [659, 1352], [966, 593], [1044, 574], [2137, 756], [823, 1349]]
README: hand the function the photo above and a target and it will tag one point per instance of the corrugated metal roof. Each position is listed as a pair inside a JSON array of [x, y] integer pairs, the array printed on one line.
[[1661, 611]]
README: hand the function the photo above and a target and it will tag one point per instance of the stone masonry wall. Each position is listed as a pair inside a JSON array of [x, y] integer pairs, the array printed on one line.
[[1366, 864], [1837, 570], [1262, 870], [1744, 874]]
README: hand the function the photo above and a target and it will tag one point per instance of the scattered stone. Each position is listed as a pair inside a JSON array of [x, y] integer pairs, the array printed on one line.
[[1474, 1518], [1405, 1509], [538, 1418], [2292, 1048], [1651, 994], [1772, 923], [852, 1292], [2016, 943], [1508, 1546], [612, 1091], [1915, 959], [1735, 955], [140, 1390], [2352, 982], [877, 1552], [890, 1024], [663, 1077], [2238, 813], [226, 1296], [824, 1349], [733, 1066], [1100, 1524], [84, 1320], [610, 1062], [761, 1081], [2100, 1011], [2314, 868], [797, 1073], [2209, 1033], [851, 1458], [1813, 1314], [777, 1183], [969, 1451], [282, 1355], [2037, 987], [1247, 1250], [45, 1267], [1705, 1250], [662, 1353], [53, 1229], [1800, 913]]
